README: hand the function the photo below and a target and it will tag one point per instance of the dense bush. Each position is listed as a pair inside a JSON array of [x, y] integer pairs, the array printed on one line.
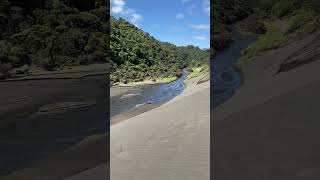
[[137, 56], [55, 33], [56, 36]]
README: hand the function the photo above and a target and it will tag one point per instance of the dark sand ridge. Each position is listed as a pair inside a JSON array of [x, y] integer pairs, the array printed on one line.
[[269, 128], [40, 118]]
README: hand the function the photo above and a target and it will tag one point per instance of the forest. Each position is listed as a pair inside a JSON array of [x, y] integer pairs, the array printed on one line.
[[136, 56], [53, 34]]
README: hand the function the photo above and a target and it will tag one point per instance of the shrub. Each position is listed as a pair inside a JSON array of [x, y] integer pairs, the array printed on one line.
[[5, 68], [282, 8]]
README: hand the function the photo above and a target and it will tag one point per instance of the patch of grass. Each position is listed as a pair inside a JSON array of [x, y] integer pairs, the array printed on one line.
[[282, 8], [301, 23], [197, 72], [272, 39], [166, 79]]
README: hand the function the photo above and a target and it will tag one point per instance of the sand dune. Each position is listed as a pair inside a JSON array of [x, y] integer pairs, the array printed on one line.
[[168, 142], [269, 128]]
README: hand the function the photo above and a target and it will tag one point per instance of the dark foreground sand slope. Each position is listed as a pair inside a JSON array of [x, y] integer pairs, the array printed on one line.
[[43, 124], [270, 128]]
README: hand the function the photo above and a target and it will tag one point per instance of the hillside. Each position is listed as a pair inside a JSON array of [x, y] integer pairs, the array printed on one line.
[[137, 56], [285, 21], [53, 34], [255, 17], [52, 37]]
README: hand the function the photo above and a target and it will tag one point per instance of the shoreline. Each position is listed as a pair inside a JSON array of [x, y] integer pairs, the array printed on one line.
[[72, 72], [149, 82], [144, 107]]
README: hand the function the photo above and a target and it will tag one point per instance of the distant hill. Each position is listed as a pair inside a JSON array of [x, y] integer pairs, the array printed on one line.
[[136, 56]]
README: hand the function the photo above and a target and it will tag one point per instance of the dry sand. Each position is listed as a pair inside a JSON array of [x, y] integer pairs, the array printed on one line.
[[269, 128], [168, 142], [92, 152]]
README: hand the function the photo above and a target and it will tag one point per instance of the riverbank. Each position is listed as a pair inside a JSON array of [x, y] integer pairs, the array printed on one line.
[[141, 108], [271, 121], [73, 72]]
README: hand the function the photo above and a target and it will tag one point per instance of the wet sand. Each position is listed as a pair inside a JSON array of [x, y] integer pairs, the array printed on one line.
[[269, 128]]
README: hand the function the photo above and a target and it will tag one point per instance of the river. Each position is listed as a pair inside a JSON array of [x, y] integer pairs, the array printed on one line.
[[132, 97], [225, 79]]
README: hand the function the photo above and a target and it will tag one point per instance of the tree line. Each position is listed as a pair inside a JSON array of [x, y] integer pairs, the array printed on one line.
[[57, 33], [136, 56]]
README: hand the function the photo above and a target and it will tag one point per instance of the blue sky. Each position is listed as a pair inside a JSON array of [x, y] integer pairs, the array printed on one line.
[[181, 22]]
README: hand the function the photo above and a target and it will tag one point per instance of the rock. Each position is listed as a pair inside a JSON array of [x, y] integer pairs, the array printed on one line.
[[179, 73]]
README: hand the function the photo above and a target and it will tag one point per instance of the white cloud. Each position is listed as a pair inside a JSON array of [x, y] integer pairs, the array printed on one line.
[[136, 18], [129, 11], [200, 26], [200, 37], [118, 2], [206, 7], [118, 7], [180, 16]]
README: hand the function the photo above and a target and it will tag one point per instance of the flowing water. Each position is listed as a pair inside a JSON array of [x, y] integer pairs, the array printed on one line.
[[225, 79], [147, 94]]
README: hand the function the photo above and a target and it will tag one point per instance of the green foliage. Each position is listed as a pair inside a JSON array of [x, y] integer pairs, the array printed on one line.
[[301, 23], [56, 36], [58, 33], [4, 6], [272, 39], [224, 13], [282, 8], [5, 68], [137, 56], [198, 71]]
